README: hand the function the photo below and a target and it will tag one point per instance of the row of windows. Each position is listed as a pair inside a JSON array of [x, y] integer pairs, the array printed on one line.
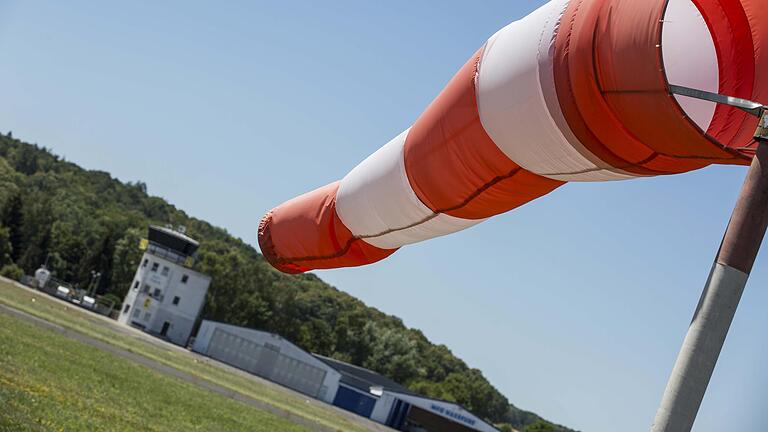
[[157, 294], [136, 312], [165, 271]]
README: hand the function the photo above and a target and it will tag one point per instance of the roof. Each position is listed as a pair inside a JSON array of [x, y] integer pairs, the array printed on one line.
[[246, 330], [173, 239], [361, 378]]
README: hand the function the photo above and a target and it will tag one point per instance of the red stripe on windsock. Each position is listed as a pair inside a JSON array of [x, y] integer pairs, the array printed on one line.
[[453, 165], [757, 14], [613, 91], [305, 233]]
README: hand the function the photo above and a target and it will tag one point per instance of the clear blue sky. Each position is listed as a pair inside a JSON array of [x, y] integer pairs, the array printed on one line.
[[574, 306]]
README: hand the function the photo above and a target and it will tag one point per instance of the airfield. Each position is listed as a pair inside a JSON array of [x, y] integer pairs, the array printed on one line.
[[64, 368]]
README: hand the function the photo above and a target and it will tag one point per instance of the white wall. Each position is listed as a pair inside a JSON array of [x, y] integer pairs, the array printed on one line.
[[160, 308], [208, 328], [383, 407]]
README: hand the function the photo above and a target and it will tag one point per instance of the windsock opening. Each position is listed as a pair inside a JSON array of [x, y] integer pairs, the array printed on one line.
[[734, 33]]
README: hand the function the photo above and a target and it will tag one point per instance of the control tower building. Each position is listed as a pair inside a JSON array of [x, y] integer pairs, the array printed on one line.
[[166, 294]]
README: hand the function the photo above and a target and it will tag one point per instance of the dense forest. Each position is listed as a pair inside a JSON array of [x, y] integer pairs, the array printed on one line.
[[83, 221]]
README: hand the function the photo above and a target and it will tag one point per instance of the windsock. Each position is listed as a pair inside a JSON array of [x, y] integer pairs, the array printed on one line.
[[578, 91]]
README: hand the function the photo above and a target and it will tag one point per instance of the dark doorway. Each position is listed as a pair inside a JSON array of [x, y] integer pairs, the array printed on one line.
[[418, 417], [164, 330], [397, 415]]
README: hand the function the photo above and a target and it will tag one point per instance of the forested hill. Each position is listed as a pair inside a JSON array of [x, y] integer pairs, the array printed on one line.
[[86, 220]]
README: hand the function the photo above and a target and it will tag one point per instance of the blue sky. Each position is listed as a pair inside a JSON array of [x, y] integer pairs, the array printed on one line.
[[574, 306]]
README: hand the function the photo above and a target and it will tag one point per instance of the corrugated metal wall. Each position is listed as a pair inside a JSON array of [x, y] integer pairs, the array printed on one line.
[[267, 361]]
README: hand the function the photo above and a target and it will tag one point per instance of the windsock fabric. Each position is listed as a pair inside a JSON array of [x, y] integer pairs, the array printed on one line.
[[578, 91]]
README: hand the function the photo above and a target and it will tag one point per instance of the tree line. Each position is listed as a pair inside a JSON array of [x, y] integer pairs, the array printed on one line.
[[81, 221]]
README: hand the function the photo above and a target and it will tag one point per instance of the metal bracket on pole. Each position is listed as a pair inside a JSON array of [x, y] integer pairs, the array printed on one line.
[[754, 108], [762, 128]]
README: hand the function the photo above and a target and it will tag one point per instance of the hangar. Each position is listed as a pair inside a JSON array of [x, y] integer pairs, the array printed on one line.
[[346, 386], [269, 356]]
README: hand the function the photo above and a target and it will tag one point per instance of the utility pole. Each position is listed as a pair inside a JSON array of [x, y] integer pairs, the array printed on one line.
[[95, 277], [722, 292]]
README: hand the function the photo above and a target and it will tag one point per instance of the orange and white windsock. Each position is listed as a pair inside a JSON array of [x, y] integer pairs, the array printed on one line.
[[578, 91]]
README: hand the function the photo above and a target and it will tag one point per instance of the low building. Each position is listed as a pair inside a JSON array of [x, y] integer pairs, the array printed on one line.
[[268, 356], [346, 386], [377, 397], [166, 294]]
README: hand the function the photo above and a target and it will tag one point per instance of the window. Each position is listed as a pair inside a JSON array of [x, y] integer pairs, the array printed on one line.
[[176, 300], [147, 316], [136, 285], [165, 271], [136, 313], [184, 279], [127, 306], [144, 264], [155, 266]]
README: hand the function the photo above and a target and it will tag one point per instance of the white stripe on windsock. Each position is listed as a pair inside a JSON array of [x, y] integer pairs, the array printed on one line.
[[512, 106], [376, 201]]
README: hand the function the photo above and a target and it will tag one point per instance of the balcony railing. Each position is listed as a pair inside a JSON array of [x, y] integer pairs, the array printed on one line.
[[170, 255]]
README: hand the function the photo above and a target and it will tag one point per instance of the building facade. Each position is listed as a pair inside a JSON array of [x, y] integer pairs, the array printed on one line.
[[166, 294], [268, 356], [382, 400]]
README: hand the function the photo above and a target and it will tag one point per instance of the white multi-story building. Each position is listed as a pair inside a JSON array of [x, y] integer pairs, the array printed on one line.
[[166, 294]]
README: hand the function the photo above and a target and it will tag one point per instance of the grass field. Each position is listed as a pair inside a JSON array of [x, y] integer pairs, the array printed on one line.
[[83, 322], [51, 383]]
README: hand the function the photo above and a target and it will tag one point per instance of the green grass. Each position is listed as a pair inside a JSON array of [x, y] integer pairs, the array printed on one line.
[[86, 323], [51, 383]]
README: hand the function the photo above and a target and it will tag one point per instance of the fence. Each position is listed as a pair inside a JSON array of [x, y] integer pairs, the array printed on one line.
[[70, 293]]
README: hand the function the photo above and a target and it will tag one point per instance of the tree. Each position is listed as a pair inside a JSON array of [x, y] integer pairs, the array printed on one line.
[[12, 219], [353, 336], [125, 261], [540, 426], [12, 271], [393, 354], [471, 389], [87, 221], [37, 219], [26, 160], [5, 247]]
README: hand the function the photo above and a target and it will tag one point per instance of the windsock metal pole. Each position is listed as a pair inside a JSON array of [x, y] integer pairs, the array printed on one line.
[[722, 293]]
